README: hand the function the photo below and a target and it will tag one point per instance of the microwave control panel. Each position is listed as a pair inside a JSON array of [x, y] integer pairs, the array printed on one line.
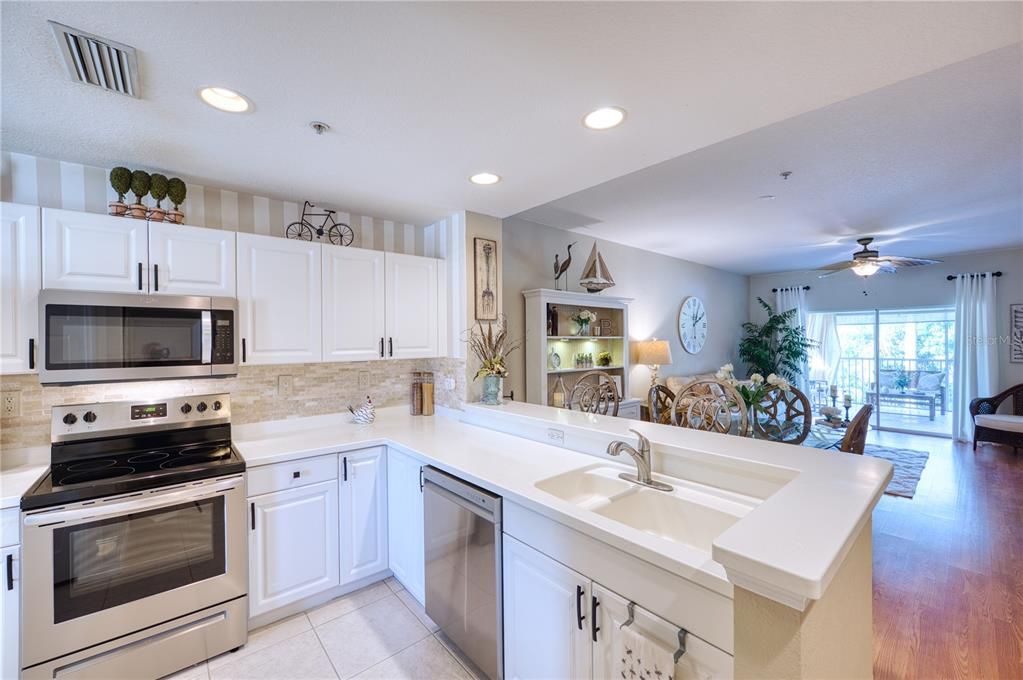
[[223, 336]]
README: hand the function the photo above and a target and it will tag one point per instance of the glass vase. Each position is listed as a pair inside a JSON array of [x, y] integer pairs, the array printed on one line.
[[491, 390]]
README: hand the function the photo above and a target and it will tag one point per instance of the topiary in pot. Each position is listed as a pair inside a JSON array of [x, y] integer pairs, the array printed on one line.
[[176, 193], [120, 180], [158, 190], [140, 187]]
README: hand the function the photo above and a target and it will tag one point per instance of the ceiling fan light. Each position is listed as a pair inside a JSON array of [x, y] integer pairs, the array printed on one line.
[[866, 269]]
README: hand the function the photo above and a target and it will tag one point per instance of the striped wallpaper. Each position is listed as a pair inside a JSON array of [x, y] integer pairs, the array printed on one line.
[[72, 186]]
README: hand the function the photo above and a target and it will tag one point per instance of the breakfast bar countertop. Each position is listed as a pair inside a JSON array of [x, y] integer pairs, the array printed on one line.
[[810, 506]]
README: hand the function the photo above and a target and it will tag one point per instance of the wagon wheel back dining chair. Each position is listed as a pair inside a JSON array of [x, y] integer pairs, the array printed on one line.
[[660, 399], [789, 417], [712, 406], [595, 392], [855, 439]]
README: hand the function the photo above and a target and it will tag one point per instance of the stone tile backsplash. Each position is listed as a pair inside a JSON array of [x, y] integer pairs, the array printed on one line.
[[317, 389]]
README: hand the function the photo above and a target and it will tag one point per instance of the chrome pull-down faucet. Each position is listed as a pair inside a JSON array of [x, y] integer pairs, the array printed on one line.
[[642, 459]]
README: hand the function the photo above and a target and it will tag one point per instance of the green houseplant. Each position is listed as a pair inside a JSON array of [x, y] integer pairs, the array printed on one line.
[[140, 187], [120, 180], [158, 190], [176, 191], [777, 346]]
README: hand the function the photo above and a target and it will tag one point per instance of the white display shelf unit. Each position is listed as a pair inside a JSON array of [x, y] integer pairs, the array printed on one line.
[[541, 375]]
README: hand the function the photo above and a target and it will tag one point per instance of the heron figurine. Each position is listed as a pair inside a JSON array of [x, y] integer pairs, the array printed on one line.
[[561, 267]]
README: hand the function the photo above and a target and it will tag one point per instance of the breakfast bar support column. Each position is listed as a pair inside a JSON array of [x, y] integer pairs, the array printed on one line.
[[831, 638]]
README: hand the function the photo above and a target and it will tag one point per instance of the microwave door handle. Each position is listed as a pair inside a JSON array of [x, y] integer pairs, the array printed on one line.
[[207, 336]]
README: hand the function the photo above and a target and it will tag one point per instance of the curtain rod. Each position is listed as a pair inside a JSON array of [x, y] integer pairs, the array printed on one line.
[[953, 277], [775, 290]]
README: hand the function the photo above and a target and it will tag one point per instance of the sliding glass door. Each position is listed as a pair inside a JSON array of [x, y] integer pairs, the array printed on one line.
[[900, 361]]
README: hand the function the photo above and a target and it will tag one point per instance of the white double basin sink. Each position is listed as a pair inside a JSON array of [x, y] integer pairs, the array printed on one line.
[[691, 514]]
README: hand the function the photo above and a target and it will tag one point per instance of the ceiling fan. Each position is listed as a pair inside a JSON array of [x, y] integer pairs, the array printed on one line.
[[868, 262]]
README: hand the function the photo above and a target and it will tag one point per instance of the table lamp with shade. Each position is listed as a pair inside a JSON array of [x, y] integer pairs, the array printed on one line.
[[654, 353]]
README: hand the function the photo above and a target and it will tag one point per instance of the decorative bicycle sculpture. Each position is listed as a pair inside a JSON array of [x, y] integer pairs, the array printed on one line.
[[339, 233]]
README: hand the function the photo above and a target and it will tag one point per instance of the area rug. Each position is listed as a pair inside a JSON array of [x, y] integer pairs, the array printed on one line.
[[908, 463]]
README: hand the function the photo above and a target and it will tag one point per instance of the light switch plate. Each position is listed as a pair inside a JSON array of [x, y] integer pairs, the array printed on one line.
[[285, 385]]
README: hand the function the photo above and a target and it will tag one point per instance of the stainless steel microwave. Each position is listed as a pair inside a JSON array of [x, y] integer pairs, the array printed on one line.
[[109, 337]]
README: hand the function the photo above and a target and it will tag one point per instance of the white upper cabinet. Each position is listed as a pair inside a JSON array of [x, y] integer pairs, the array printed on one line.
[[20, 281], [353, 304], [191, 260], [412, 307], [363, 513], [85, 251], [279, 299]]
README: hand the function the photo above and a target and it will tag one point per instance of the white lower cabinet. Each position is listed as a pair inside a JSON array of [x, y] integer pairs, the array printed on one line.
[[10, 604], [560, 624], [406, 550], [363, 513], [546, 616], [293, 545]]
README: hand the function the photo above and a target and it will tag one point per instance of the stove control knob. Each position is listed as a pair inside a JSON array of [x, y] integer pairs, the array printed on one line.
[[201, 407], [70, 419], [89, 417], [217, 406], [186, 408]]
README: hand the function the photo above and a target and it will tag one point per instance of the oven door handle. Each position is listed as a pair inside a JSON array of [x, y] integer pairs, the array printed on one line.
[[207, 336], [95, 512]]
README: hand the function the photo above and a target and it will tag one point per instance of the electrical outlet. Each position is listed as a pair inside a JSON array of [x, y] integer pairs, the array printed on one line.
[[11, 404], [285, 385], [363, 380], [556, 436], [449, 383]]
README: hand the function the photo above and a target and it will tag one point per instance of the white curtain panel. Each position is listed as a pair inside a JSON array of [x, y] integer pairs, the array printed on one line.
[[976, 352], [794, 297], [827, 355]]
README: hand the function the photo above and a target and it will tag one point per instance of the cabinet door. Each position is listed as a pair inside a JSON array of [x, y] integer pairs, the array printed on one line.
[[406, 552], [701, 660], [279, 300], [20, 281], [363, 513], [10, 632], [412, 307], [85, 251], [293, 547], [353, 304], [546, 616], [191, 260]]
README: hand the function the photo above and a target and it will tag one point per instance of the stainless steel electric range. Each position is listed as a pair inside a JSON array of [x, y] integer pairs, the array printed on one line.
[[134, 543]]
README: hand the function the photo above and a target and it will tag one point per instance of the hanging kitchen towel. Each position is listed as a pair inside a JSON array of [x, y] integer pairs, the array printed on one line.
[[639, 658]]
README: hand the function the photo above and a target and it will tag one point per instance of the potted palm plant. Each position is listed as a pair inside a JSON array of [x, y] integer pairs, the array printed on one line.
[[140, 187], [158, 190], [778, 346], [120, 180], [176, 191], [492, 346]]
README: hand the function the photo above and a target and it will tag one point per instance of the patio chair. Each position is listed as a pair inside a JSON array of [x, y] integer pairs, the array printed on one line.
[[998, 428]]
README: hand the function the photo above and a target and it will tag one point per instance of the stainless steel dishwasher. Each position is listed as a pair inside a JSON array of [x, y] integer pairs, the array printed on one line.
[[463, 567]]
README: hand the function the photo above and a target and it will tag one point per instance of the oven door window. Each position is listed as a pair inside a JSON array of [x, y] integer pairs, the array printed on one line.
[[107, 563]]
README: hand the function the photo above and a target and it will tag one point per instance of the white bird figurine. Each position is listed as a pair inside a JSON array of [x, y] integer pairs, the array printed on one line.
[[364, 414]]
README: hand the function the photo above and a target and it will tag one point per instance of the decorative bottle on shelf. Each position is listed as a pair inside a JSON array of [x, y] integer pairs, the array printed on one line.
[[552, 320], [558, 396]]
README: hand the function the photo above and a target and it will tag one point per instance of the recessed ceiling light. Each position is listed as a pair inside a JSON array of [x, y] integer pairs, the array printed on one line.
[[485, 178], [224, 99], [605, 118]]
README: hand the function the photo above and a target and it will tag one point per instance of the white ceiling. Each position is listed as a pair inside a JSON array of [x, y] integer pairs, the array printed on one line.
[[932, 165], [421, 95]]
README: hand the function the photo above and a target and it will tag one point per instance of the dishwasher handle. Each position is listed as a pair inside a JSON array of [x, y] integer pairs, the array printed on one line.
[[429, 486]]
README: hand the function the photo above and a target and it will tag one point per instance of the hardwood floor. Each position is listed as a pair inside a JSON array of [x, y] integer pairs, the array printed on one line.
[[948, 566]]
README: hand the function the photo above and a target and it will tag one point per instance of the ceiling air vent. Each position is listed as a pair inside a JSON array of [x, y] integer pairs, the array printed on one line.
[[97, 61]]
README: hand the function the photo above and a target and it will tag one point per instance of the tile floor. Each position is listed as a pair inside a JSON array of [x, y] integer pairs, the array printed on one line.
[[378, 632]]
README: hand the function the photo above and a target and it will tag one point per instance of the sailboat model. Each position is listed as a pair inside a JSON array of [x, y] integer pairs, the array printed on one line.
[[595, 276]]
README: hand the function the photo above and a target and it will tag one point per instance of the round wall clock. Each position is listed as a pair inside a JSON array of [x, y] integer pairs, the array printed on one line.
[[692, 324]]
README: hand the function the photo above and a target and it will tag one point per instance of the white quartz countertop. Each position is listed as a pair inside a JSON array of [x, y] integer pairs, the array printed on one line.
[[20, 469], [788, 547]]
